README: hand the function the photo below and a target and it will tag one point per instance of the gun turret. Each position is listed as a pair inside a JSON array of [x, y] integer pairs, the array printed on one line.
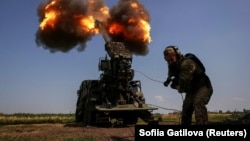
[[118, 67]]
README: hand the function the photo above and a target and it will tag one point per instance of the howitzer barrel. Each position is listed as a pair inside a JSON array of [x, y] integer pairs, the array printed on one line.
[[102, 30], [114, 49]]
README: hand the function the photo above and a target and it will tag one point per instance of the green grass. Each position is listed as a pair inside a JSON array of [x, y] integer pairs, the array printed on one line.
[[212, 117], [27, 118]]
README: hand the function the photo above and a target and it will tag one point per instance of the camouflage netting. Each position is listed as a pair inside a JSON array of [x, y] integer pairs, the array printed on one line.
[[116, 49]]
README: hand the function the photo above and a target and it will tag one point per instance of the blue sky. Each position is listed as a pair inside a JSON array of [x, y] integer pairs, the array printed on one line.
[[33, 80]]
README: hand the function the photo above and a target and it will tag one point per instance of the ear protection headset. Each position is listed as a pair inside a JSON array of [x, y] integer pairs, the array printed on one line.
[[176, 50]]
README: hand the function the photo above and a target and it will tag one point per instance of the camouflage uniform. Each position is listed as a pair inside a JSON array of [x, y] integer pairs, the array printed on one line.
[[190, 78]]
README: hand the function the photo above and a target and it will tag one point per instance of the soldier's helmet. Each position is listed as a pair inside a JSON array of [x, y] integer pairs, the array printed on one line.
[[172, 50]]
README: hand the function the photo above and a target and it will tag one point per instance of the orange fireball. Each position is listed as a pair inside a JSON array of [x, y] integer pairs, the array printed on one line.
[[49, 16]]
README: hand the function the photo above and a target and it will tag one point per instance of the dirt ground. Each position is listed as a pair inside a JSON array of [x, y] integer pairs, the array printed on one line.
[[64, 132]]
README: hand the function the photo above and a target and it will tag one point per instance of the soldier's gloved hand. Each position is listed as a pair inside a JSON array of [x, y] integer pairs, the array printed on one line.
[[166, 83]]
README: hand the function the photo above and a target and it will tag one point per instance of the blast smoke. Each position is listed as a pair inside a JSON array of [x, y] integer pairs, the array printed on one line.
[[67, 31], [125, 12]]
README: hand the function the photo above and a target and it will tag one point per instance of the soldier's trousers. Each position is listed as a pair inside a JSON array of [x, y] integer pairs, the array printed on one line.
[[196, 102]]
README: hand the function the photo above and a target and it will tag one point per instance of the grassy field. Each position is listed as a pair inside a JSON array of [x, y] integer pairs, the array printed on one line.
[[176, 118], [27, 118], [62, 127]]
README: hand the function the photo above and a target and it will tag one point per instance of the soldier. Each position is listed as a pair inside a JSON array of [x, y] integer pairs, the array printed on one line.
[[187, 74]]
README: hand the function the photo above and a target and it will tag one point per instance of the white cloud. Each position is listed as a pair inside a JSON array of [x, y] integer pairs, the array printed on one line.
[[159, 98], [238, 99]]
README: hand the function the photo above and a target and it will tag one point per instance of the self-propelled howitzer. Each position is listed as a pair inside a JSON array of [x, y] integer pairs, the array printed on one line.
[[115, 98]]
